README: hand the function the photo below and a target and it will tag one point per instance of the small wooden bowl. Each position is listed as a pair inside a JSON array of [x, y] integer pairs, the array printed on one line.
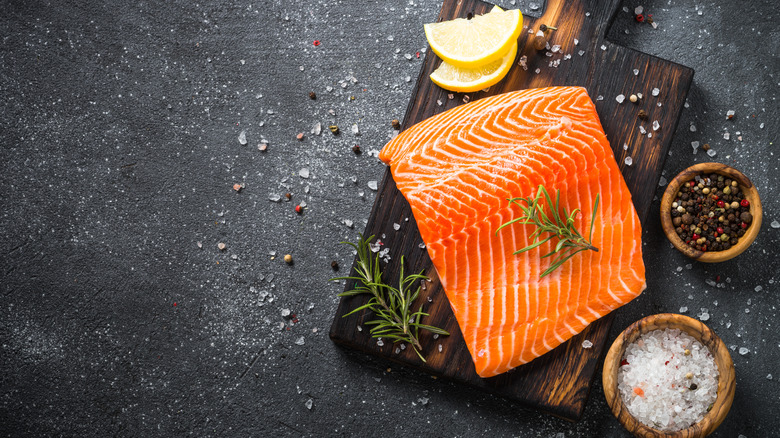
[[751, 194], [699, 331]]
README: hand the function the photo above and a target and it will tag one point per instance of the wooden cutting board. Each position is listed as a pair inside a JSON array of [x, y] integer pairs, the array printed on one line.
[[559, 381]]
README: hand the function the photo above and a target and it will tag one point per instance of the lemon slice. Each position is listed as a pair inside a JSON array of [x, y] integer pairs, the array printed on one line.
[[466, 80], [476, 42]]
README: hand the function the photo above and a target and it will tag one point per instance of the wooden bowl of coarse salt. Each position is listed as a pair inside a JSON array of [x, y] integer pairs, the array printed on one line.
[[701, 173], [660, 370]]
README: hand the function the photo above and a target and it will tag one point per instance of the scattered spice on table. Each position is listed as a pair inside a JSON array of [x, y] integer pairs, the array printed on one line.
[[642, 115], [710, 212], [288, 259], [334, 265], [356, 149], [334, 129], [237, 187], [662, 386], [316, 43], [633, 98], [299, 136], [299, 209], [396, 124], [312, 95], [288, 195]]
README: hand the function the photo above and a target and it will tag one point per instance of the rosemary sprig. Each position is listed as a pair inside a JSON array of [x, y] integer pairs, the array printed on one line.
[[570, 241], [395, 319]]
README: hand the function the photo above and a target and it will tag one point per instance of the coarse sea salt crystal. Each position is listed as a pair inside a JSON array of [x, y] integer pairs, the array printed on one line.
[[711, 152], [629, 161], [657, 370], [743, 351], [303, 173], [656, 125], [372, 185], [695, 146], [242, 138], [655, 92], [636, 72], [396, 226], [587, 344], [775, 224], [620, 98]]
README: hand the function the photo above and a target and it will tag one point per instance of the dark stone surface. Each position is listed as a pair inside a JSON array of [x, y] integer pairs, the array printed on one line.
[[119, 132]]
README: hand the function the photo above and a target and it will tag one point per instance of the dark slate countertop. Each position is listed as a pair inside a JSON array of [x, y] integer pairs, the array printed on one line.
[[122, 136]]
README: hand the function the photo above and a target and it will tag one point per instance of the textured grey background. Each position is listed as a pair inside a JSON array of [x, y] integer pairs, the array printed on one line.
[[119, 133]]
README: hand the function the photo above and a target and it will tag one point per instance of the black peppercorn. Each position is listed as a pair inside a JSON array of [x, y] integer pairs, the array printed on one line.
[[335, 265]]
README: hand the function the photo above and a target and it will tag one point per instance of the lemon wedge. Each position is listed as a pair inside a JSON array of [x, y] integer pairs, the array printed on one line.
[[476, 42], [466, 80]]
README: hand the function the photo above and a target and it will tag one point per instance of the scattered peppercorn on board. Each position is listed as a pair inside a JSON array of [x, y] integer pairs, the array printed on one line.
[[558, 382]]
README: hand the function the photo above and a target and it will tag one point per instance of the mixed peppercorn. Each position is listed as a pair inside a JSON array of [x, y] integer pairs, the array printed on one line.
[[710, 213]]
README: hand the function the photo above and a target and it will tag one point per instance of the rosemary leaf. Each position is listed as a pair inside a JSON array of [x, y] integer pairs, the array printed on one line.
[[395, 319], [570, 241]]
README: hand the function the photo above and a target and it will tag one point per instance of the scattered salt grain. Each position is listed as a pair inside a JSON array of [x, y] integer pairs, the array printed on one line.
[[303, 173], [355, 130], [242, 138], [695, 146], [636, 72], [587, 344], [380, 342], [300, 341], [372, 185], [421, 246], [662, 181], [775, 224], [599, 97], [769, 377], [758, 288], [629, 161], [576, 41], [726, 136], [309, 404], [711, 152], [603, 47], [396, 226], [743, 351], [620, 98], [656, 125], [761, 126], [683, 309], [642, 130], [348, 223], [625, 146], [653, 380], [581, 52], [730, 114], [538, 70], [655, 92], [638, 10]]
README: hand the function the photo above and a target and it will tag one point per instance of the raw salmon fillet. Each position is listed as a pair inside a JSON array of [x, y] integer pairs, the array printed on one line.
[[457, 170]]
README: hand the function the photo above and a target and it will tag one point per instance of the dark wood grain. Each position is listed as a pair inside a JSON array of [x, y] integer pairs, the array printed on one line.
[[559, 381], [700, 332]]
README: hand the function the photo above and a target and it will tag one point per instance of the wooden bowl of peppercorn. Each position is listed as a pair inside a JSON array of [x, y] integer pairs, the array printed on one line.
[[711, 212]]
